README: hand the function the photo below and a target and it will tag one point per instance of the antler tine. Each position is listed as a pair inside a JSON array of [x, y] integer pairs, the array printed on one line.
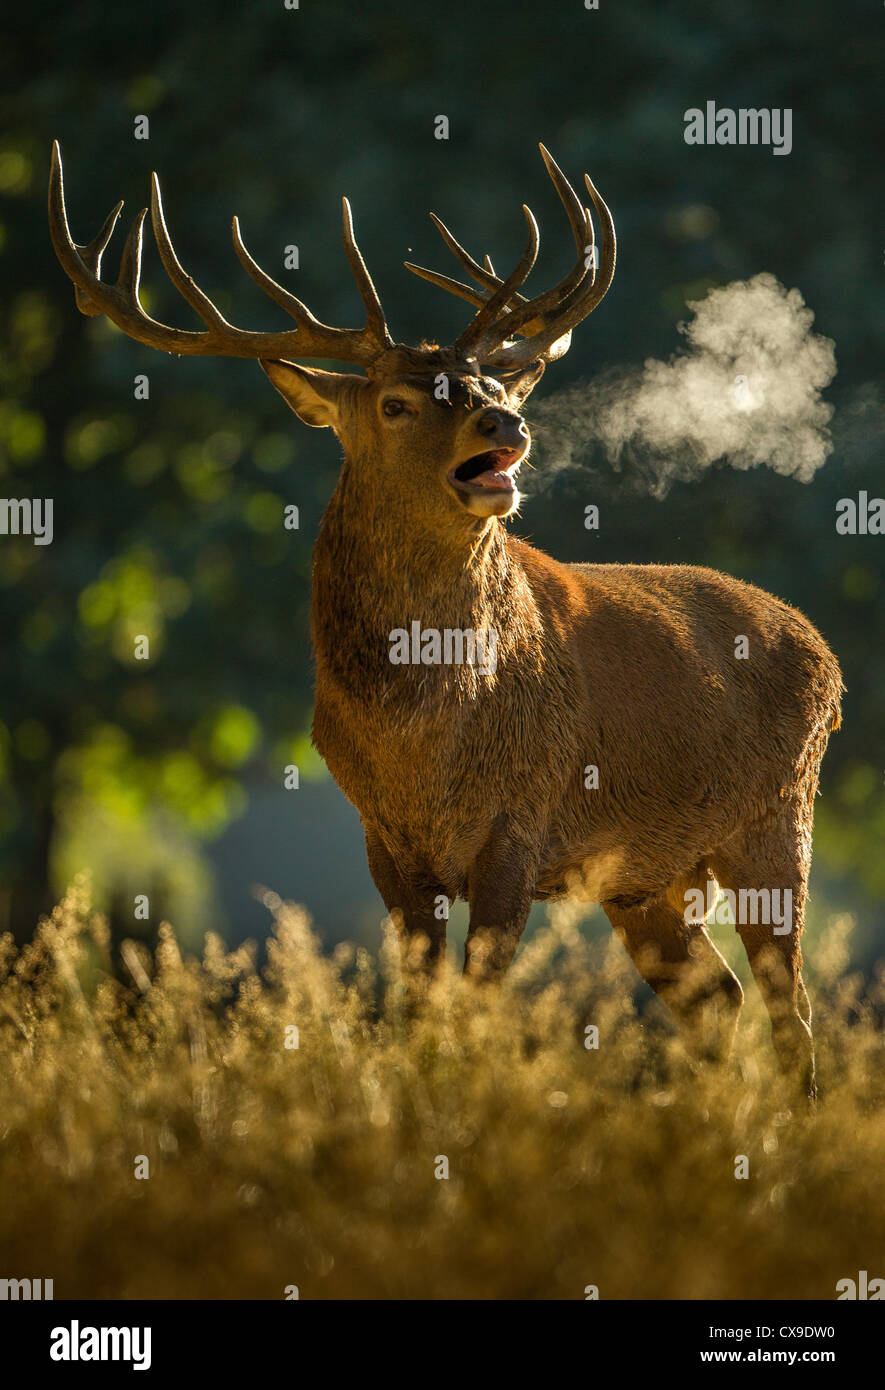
[[482, 276], [608, 227], [376, 324], [91, 257], [82, 264], [582, 231], [498, 303], [577, 214], [527, 313], [486, 275], [592, 242], [313, 338], [265, 282], [184, 283], [120, 302], [445, 282], [129, 278], [467, 292], [75, 259], [93, 253], [545, 321], [581, 299]]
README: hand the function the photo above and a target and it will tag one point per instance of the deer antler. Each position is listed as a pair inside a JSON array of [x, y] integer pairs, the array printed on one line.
[[509, 331], [120, 302], [545, 322]]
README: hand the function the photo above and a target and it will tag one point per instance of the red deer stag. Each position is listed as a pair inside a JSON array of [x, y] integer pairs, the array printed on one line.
[[471, 777]]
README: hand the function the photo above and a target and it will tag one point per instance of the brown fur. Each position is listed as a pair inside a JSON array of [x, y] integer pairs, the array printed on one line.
[[473, 785]]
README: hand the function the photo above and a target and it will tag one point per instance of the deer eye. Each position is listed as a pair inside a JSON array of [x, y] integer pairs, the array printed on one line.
[[393, 407]]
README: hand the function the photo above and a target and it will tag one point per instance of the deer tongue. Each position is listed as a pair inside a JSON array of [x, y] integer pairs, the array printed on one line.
[[488, 470], [496, 478]]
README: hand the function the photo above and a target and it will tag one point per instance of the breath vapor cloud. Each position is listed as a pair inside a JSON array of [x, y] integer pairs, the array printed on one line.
[[745, 390]]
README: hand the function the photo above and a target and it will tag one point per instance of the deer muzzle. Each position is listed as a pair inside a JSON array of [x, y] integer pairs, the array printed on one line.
[[493, 469]]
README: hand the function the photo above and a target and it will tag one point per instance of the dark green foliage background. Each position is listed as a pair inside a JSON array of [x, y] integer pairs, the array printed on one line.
[[168, 512]]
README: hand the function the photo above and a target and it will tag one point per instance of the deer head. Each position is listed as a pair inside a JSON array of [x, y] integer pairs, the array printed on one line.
[[438, 428]]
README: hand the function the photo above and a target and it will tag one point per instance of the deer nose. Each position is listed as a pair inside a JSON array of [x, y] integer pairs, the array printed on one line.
[[502, 427]]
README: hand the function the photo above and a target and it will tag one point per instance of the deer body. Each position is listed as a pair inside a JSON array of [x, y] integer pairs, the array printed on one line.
[[643, 731], [626, 668]]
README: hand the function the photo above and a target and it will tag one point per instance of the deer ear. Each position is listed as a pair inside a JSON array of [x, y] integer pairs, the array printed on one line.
[[314, 395], [520, 384]]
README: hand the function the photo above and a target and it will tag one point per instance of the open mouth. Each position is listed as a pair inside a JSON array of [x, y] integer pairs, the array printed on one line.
[[492, 471]]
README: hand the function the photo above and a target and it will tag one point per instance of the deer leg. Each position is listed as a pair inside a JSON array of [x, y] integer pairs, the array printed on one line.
[[762, 866], [413, 900], [501, 887], [684, 968]]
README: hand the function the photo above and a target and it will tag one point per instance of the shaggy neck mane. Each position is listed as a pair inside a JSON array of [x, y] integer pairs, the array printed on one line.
[[375, 571]]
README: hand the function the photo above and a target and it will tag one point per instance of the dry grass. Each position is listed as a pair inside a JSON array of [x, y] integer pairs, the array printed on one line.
[[271, 1166]]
